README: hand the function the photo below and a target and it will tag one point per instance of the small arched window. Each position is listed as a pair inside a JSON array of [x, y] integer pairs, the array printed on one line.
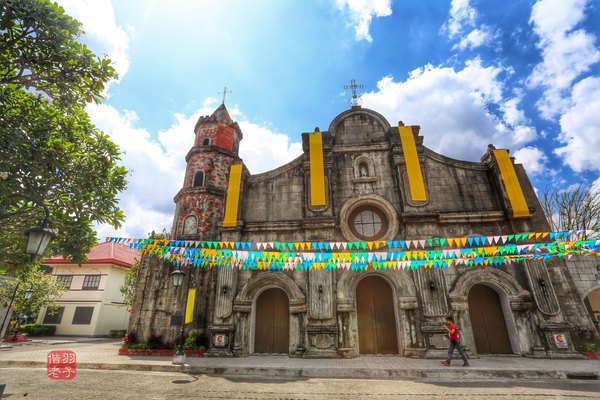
[[206, 142], [199, 179]]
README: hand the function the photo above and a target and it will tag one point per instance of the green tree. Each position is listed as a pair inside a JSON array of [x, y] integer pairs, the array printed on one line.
[[45, 290], [50, 152], [128, 287]]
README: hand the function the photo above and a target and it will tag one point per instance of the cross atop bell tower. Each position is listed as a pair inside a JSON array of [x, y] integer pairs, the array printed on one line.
[[224, 93]]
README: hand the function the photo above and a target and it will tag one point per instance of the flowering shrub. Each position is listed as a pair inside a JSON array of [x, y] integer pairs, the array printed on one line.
[[154, 341], [194, 341], [586, 340], [16, 338]]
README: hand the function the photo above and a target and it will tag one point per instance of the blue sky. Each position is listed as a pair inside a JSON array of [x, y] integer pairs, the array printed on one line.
[[520, 75]]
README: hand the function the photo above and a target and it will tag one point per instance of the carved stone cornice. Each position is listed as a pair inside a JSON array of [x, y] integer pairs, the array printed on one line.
[[297, 306], [345, 305], [407, 303], [242, 306]]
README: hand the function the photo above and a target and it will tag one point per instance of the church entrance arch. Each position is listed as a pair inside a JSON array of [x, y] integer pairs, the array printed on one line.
[[592, 304], [376, 317], [488, 321], [272, 324]]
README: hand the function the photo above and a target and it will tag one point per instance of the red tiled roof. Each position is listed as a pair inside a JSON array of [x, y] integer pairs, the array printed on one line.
[[103, 253]]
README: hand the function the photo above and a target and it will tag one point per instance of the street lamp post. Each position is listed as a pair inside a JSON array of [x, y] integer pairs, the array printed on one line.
[[27, 295], [38, 239], [179, 357]]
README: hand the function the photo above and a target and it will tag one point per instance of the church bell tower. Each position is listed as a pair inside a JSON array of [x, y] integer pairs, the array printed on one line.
[[200, 203]]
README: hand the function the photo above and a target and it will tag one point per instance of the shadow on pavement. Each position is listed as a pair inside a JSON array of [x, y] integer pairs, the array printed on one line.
[[257, 379], [563, 384], [194, 378]]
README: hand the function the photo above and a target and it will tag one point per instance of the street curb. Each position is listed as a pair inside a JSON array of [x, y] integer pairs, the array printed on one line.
[[353, 373]]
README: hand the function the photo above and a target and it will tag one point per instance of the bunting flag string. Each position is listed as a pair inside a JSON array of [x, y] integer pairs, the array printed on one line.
[[405, 254]]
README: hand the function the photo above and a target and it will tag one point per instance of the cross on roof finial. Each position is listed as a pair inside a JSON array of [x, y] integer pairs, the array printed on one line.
[[224, 93], [355, 99]]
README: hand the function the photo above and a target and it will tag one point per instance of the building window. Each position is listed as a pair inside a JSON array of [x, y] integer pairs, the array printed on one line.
[[368, 223], [190, 225], [206, 142], [83, 315], [91, 282], [199, 179], [64, 280], [53, 318]]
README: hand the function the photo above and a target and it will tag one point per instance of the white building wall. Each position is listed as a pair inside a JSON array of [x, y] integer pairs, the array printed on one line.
[[109, 312]]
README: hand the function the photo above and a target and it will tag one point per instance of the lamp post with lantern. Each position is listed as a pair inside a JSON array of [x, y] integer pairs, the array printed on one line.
[[179, 357], [38, 239]]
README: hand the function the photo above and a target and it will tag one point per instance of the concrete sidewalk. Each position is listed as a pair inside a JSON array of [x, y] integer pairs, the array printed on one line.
[[93, 353]]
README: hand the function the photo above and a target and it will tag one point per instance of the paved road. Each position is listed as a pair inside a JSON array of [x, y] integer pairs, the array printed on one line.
[[99, 384]]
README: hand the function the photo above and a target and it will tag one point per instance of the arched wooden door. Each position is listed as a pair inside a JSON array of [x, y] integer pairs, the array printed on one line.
[[272, 322], [376, 317], [487, 320]]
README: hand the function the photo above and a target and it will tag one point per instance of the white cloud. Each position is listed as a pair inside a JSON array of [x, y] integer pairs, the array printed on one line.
[[461, 15], [475, 38], [532, 158], [361, 13], [452, 108], [158, 164], [102, 34], [580, 127], [463, 19], [263, 150], [566, 53]]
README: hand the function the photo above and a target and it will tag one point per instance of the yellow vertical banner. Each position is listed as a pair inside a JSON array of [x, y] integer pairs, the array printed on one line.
[[233, 195], [317, 170], [413, 167], [511, 184], [189, 307]]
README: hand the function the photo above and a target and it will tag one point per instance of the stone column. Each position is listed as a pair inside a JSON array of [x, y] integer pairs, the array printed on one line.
[[412, 338], [347, 328]]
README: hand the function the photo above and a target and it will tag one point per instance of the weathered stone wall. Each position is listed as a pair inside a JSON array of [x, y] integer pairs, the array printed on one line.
[[274, 196], [583, 270]]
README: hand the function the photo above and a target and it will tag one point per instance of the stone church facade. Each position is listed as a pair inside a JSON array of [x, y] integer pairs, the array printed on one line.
[[507, 309]]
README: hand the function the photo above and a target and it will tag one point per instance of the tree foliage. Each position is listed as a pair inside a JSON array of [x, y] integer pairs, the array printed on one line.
[[128, 287], [50, 152], [574, 208], [45, 290]]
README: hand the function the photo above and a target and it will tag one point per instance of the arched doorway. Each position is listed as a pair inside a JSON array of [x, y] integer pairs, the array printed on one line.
[[272, 327], [376, 317], [487, 320], [592, 303]]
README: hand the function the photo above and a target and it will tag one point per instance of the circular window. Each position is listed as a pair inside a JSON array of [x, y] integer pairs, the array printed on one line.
[[368, 223]]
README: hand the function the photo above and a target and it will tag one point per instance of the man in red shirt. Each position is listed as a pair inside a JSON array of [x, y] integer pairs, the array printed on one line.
[[454, 342]]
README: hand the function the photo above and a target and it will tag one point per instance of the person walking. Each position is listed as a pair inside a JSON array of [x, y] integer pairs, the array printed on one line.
[[454, 342]]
